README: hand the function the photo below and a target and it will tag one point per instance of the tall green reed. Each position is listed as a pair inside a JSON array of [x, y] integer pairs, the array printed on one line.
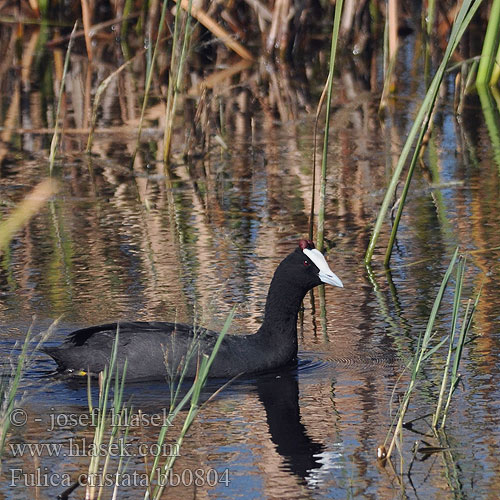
[[118, 414], [177, 63], [489, 68], [325, 95], [55, 138], [109, 431], [320, 234], [193, 397]]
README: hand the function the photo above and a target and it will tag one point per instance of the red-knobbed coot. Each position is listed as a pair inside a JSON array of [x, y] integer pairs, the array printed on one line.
[[154, 349]]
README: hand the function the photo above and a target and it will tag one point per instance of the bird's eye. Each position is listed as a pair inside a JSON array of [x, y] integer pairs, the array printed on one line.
[[307, 263]]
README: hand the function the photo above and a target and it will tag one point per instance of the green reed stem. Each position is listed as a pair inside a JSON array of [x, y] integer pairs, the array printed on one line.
[[422, 353], [322, 193], [406, 187], [451, 338], [55, 137], [10, 380], [101, 426], [467, 11], [175, 80], [193, 395], [149, 78], [431, 9], [491, 47], [455, 376], [491, 117], [8, 391], [495, 75]]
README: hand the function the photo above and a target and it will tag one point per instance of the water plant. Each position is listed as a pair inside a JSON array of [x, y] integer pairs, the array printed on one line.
[[324, 157], [11, 373], [55, 137], [111, 420], [111, 372], [489, 68], [178, 60], [429, 342], [149, 76], [193, 398], [417, 134]]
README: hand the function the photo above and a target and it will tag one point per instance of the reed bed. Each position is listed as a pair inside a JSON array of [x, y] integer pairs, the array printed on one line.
[[244, 30]]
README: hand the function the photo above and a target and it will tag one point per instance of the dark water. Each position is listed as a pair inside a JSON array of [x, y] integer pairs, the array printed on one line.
[[121, 244]]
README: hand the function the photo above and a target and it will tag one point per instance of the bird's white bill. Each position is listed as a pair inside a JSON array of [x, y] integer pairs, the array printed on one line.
[[326, 275]]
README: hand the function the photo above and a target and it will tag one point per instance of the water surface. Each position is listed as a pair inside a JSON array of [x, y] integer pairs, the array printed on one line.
[[116, 243]]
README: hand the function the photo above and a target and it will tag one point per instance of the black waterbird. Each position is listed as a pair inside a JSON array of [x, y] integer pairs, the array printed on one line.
[[154, 349]]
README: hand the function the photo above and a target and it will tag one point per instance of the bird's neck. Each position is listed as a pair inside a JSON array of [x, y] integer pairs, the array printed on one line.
[[282, 308]]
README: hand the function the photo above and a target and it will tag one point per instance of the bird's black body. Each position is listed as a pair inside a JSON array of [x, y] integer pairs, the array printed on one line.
[[155, 349]]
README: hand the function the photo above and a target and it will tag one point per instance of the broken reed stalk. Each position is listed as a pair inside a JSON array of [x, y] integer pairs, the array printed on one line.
[[203, 18], [467, 11], [329, 85], [55, 137]]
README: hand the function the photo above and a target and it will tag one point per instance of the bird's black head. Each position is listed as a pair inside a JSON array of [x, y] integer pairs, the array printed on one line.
[[307, 267]]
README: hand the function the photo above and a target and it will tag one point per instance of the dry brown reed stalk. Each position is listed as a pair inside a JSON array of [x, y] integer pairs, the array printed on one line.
[[218, 77], [202, 17], [277, 37], [11, 117], [263, 13], [34, 6], [87, 22], [393, 27]]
